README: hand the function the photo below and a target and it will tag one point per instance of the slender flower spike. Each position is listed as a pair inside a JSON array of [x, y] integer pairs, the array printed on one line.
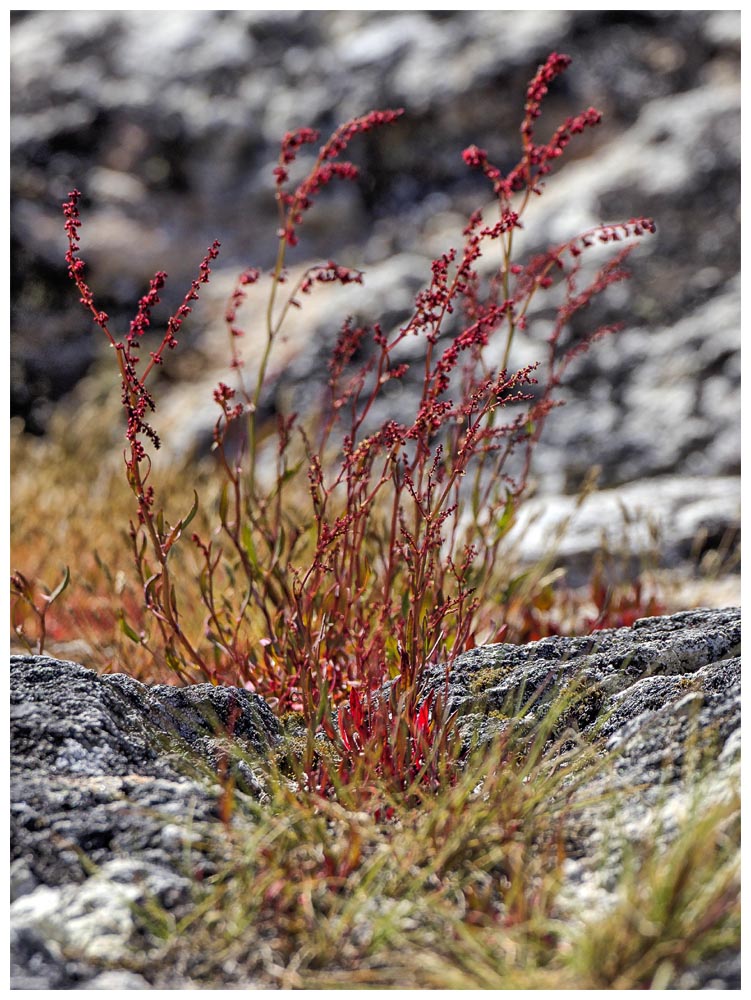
[[538, 88], [294, 204]]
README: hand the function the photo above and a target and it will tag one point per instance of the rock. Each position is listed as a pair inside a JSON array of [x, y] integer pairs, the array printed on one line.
[[116, 778], [654, 663], [683, 518], [722, 973], [96, 920], [117, 981], [36, 964], [113, 783], [104, 765]]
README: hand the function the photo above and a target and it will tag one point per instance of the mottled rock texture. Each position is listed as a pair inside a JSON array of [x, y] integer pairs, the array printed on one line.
[[102, 765], [617, 679], [112, 782]]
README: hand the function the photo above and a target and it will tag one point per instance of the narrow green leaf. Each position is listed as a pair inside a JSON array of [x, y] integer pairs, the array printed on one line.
[[506, 520], [60, 587], [291, 473], [405, 604], [224, 503], [176, 533], [279, 544], [192, 513], [128, 630], [103, 567], [249, 544], [514, 585], [150, 589]]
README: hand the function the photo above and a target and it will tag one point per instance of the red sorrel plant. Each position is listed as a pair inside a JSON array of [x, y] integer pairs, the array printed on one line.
[[386, 560], [401, 740]]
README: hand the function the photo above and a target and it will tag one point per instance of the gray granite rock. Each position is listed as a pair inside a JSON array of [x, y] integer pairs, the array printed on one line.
[[112, 783], [103, 765], [99, 922], [682, 519], [646, 668]]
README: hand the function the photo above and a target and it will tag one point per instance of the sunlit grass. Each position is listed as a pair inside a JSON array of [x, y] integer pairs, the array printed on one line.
[[457, 891]]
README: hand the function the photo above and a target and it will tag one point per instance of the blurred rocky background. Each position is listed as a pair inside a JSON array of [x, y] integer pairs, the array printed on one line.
[[169, 123]]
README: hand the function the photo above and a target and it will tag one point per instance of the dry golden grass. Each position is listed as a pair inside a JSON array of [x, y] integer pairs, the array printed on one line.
[[458, 891]]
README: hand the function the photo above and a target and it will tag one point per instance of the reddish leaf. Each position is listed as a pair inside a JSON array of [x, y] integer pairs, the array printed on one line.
[[423, 716], [343, 731]]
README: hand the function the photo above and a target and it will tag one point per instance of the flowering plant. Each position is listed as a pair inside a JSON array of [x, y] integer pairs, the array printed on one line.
[[376, 549]]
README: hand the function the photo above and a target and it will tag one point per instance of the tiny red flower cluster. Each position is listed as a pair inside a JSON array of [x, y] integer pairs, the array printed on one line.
[[536, 160], [292, 142], [555, 64], [248, 277], [344, 135], [474, 336], [295, 204], [204, 273], [332, 272], [137, 400], [223, 396], [540, 157], [347, 344], [76, 266], [142, 320], [611, 234]]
